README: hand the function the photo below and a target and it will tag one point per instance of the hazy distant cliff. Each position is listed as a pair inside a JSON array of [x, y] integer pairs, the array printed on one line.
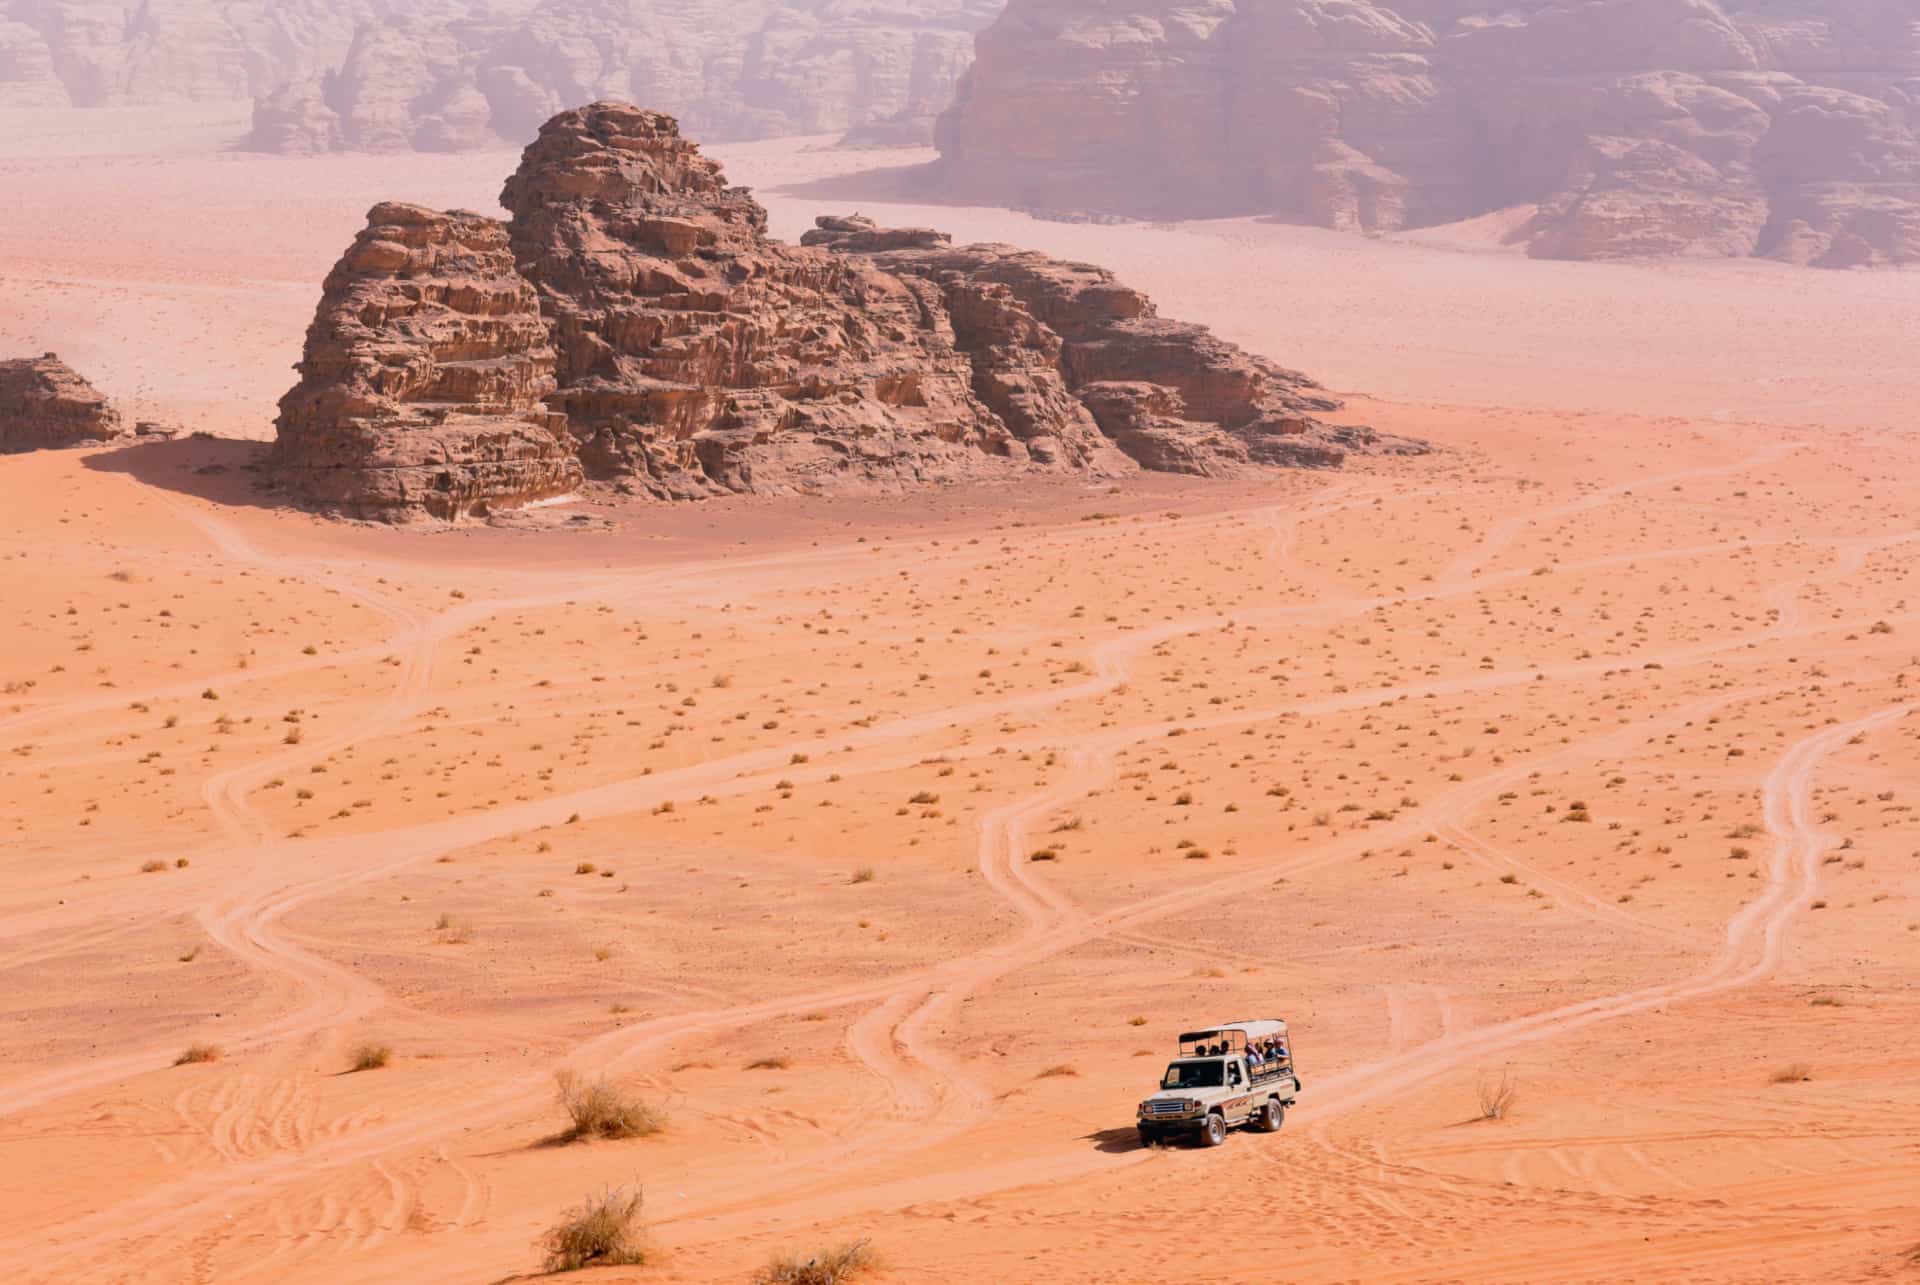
[[441, 81], [439, 75], [1788, 128]]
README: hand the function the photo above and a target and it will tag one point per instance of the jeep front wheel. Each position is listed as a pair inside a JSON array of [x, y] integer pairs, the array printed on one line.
[[1214, 1132]]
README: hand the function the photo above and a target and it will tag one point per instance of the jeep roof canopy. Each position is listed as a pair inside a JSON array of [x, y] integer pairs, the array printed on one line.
[[1235, 1035]]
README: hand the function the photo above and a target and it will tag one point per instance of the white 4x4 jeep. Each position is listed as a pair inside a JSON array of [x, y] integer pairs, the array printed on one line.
[[1222, 1079]]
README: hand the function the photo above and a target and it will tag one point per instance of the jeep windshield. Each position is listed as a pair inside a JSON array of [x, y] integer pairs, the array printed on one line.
[[1194, 1075]]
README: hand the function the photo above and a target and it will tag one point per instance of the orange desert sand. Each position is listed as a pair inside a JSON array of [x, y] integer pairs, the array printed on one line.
[[885, 845]]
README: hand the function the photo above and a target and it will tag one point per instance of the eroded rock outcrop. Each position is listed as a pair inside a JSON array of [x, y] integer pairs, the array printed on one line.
[[698, 355], [1044, 334], [633, 322], [1788, 128], [423, 387], [45, 402]]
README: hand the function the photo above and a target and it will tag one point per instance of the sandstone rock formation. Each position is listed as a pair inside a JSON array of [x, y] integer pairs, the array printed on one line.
[[634, 323], [446, 77], [45, 402], [1044, 334], [422, 388], [1788, 128]]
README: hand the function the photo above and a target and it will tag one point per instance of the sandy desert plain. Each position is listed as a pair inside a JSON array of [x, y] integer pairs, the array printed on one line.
[[1580, 754]]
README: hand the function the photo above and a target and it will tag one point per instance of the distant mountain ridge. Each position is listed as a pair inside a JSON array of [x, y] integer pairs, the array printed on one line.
[[1785, 128], [453, 75]]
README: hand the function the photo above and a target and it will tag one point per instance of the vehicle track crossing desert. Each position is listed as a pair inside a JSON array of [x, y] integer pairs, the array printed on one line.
[[1556, 788]]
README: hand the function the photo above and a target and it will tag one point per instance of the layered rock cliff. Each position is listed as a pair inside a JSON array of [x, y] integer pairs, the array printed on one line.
[[1044, 334], [423, 387], [445, 78], [1788, 128], [45, 402], [634, 324]]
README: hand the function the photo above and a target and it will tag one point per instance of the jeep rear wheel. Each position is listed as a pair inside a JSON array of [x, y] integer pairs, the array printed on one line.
[[1272, 1116], [1214, 1132]]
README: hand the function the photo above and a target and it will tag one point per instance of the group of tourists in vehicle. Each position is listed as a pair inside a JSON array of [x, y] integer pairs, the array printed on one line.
[[1271, 1052]]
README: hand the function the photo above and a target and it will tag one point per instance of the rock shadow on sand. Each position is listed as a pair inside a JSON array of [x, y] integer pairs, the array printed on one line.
[[220, 470], [887, 184]]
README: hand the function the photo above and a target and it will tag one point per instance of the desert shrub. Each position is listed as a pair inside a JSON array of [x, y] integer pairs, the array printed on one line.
[[600, 1108], [198, 1053], [863, 875], [601, 1231], [454, 929], [371, 1056], [775, 1063], [1792, 1073], [1057, 1071], [827, 1267], [1496, 1096]]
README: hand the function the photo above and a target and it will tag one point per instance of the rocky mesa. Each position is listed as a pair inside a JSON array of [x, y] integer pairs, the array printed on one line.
[[632, 324], [1614, 128], [45, 402]]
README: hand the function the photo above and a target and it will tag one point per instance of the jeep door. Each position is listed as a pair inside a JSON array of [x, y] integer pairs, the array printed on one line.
[[1239, 1103]]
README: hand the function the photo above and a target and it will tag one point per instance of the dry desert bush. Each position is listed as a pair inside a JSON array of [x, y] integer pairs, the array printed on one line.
[[1496, 1096], [198, 1053], [601, 1231], [602, 1109], [1792, 1073], [371, 1056], [454, 930], [828, 1267]]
